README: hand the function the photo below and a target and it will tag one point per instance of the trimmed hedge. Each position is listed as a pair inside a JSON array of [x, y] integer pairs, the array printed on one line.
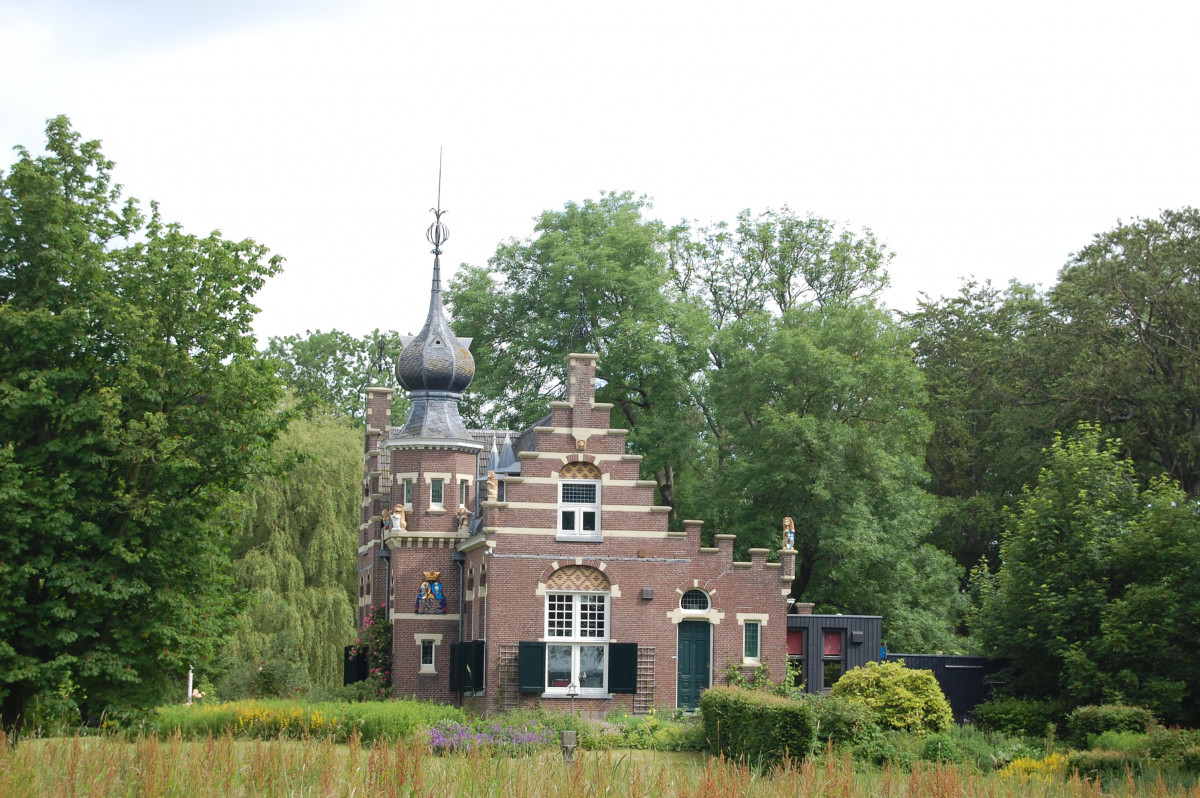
[[270, 719], [1020, 715], [756, 727], [1097, 719], [900, 697]]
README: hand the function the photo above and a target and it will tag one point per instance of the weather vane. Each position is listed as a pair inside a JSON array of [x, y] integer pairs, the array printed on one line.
[[582, 330], [438, 233], [381, 364]]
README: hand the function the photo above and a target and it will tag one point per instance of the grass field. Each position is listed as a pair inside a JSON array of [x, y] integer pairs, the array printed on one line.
[[112, 766]]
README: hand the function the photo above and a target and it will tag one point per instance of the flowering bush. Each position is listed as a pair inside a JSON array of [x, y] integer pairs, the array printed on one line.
[[376, 635], [450, 736], [1053, 766]]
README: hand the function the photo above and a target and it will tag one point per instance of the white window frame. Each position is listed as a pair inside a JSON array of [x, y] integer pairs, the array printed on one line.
[[427, 668], [442, 483], [756, 655], [407, 498], [758, 620], [464, 489], [571, 628], [576, 510]]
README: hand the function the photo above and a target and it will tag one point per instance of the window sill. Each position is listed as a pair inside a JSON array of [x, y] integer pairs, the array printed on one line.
[[564, 537], [581, 697], [751, 663], [438, 510], [426, 672]]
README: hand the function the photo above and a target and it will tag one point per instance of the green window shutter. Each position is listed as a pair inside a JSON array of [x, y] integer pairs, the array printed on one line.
[[531, 667], [474, 660], [466, 666], [457, 684], [622, 667]]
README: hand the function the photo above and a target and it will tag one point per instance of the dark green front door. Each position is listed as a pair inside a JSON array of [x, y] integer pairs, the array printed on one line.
[[694, 662]]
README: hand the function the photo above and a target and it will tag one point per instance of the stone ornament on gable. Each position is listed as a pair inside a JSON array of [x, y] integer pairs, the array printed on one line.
[[789, 534], [430, 599], [493, 486]]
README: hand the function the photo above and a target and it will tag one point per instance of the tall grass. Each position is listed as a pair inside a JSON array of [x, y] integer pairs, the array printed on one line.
[[267, 719], [223, 766]]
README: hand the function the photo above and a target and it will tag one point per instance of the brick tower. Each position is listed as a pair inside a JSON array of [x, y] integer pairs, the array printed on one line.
[[419, 480]]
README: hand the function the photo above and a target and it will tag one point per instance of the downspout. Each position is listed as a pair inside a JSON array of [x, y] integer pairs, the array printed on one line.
[[385, 554], [461, 559]]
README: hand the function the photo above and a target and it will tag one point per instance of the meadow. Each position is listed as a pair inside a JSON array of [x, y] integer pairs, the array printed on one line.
[[109, 765]]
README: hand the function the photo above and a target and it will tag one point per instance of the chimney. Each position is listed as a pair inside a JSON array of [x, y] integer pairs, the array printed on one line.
[[581, 379]]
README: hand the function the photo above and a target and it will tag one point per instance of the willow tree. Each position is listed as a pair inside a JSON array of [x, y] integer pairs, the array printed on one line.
[[294, 561]]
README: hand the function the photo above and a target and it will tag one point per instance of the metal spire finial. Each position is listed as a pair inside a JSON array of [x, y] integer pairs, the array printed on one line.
[[438, 233], [582, 331]]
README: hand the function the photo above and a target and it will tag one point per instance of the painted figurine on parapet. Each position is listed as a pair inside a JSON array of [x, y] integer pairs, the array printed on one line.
[[396, 520], [789, 534], [430, 599], [463, 517]]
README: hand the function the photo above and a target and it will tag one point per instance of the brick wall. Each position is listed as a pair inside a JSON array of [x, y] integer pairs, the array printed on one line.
[[519, 549]]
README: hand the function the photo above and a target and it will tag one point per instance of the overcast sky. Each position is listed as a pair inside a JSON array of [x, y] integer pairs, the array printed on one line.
[[975, 139]]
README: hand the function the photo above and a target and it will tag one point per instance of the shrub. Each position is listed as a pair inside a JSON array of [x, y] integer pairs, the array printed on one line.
[[1052, 766], [654, 732], [1170, 746], [1097, 764], [1119, 741], [1019, 715], [1097, 719], [755, 726], [982, 750], [899, 697], [840, 721]]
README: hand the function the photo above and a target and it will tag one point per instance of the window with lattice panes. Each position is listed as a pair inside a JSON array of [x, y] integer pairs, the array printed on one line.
[[694, 600], [577, 643], [579, 508]]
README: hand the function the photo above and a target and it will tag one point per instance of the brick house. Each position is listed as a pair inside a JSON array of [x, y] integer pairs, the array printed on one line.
[[557, 580]]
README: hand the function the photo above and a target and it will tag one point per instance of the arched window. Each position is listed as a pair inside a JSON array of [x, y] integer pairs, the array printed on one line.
[[577, 631], [694, 600]]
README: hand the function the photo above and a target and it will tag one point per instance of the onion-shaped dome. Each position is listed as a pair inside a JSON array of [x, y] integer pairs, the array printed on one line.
[[435, 360]]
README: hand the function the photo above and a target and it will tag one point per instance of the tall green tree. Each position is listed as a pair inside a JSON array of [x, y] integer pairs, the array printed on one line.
[[766, 263], [824, 409], [1131, 305], [593, 277], [133, 402], [1096, 598], [991, 360], [328, 372], [294, 561]]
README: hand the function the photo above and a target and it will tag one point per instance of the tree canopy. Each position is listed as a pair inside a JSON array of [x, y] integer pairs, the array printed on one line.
[[750, 363], [1096, 596], [133, 402], [328, 372]]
